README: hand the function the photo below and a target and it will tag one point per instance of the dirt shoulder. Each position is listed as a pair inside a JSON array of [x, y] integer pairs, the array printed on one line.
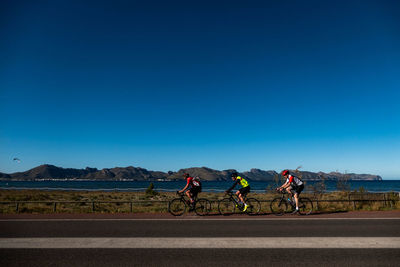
[[111, 216]]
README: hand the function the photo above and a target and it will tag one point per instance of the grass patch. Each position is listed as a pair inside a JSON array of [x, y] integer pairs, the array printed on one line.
[[157, 202]]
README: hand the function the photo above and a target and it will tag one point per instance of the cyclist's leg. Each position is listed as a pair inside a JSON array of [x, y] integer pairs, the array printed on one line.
[[289, 190], [297, 191], [239, 195], [296, 198], [243, 192], [195, 192], [189, 194]]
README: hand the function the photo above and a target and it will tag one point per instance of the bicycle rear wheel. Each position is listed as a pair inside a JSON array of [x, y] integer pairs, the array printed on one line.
[[305, 206], [278, 206], [202, 207], [176, 207], [253, 207], [226, 207]]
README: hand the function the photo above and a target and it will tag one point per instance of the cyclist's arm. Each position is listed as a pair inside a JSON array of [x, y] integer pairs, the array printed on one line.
[[233, 186], [285, 185], [186, 186]]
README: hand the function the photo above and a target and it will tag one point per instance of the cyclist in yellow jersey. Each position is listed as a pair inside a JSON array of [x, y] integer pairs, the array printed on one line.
[[242, 192]]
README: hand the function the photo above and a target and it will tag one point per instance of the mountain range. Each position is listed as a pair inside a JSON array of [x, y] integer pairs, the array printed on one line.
[[49, 172]]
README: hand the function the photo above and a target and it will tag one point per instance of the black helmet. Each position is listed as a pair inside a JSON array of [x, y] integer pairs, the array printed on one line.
[[234, 174], [186, 175]]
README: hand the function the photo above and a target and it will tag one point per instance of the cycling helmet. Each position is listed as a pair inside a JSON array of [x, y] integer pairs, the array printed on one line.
[[285, 172], [186, 175], [234, 174]]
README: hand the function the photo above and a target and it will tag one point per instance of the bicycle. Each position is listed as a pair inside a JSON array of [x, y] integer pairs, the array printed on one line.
[[280, 205], [178, 206], [227, 206]]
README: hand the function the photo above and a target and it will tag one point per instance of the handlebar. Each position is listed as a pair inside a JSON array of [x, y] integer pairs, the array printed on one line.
[[281, 191]]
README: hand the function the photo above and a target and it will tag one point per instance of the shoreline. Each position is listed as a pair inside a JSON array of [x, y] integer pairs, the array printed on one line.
[[385, 186]]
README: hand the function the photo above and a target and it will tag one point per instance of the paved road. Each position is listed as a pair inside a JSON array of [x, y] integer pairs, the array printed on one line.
[[372, 242], [202, 228]]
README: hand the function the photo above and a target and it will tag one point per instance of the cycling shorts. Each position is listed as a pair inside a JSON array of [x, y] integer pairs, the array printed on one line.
[[244, 190], [297, 188], [195, 190]]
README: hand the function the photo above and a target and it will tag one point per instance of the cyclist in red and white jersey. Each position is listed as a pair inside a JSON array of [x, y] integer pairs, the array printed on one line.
[[195, 187], [293, 186]]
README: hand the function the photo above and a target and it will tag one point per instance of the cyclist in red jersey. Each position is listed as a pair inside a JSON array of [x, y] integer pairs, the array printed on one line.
[[293, 186], [195, 187]]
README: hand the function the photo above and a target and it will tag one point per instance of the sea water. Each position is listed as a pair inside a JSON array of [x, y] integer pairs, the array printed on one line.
[[172, 186]]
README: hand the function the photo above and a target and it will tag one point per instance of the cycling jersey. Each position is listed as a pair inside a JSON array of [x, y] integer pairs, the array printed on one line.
[[243, 181], [293, 180], [239, 180], [193, 182]]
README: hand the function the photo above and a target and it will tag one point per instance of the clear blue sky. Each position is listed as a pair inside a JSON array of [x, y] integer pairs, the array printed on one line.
[[225, 84]]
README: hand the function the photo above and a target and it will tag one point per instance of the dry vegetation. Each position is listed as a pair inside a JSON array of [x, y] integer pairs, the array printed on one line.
[[85, 201]]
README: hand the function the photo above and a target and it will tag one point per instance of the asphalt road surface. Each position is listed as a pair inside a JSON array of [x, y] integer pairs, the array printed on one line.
[[200, 242]]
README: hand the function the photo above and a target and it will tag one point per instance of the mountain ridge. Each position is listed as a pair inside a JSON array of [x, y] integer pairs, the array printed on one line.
[[50, 172]]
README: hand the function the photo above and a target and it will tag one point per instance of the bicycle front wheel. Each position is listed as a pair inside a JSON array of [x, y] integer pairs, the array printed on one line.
[[202, 207], [278, 206], [176, 207], [305, 206], [253, 207], [226, 207]]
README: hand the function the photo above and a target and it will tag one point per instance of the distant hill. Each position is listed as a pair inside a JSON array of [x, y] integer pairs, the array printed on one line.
[[48, 172], [339, 176], [4, 176], [51, 172], [260, 175], [204, 173]]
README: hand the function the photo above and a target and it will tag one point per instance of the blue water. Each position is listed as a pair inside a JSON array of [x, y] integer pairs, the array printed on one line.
[[370, 186]]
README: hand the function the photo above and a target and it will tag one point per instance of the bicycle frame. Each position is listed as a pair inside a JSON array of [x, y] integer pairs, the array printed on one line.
[[185, 200], [236, 199], [292, 202], [225, 207], [200, 206], [279, 205]]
